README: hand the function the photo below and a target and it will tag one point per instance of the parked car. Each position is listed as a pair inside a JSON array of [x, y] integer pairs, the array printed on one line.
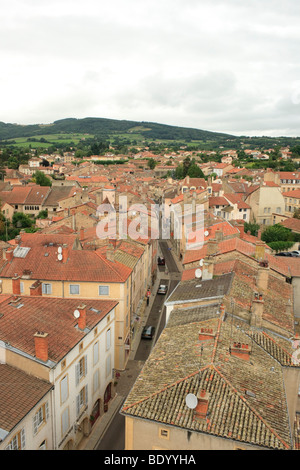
[[284, 253], [296, 253], [161, 261], [148, 332], [162, 289]]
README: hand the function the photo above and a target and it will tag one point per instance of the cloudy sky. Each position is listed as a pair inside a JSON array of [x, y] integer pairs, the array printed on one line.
[[229, 66]]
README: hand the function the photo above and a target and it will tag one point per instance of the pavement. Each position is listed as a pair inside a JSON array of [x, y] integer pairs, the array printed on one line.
[[133, 368]]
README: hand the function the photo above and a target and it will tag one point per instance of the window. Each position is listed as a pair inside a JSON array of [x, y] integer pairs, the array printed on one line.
[[40, 417], [17, 442], [46, 288], [65, 421], [95, 353], [164, 433], [64, 389], [96, 381], [80, 369], [108, 366], [74, 289], [21, 287], [81, 399], [103, 290], [108, 337]]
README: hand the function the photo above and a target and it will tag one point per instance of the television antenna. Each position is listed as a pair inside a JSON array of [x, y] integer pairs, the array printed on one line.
[[76, 313], [198, 273], [191, 401]]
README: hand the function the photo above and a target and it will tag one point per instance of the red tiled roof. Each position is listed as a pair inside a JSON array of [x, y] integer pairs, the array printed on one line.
[[294, 194], [81, 265], [50, 315]]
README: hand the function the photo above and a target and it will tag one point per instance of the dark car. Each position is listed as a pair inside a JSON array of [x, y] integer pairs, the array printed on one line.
[[162, 289], [148, 332], [161, 261], [284, 253]]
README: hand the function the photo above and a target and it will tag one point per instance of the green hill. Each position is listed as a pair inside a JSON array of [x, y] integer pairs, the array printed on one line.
[[108, 127]]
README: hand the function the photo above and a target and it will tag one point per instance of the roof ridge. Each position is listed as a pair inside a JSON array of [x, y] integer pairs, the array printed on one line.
[[251, 408], [167, 387], [109, 265]]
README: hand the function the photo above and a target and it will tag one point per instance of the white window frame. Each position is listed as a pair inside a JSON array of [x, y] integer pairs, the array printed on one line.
[[106, 288], [74, 285], [46, 288]]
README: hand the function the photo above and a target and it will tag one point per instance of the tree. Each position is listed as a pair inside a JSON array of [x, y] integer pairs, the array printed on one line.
[[251, 227], [151, 163], [20, 220], [194, 171], [41, 179], [276, 233]]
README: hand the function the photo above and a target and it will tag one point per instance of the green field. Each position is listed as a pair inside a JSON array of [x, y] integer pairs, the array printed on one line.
[[65, 139]]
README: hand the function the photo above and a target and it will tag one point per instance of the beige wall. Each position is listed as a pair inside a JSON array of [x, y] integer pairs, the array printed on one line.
[[146, 435]]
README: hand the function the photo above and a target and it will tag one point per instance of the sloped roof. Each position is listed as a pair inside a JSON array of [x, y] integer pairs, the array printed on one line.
[[178, 366]]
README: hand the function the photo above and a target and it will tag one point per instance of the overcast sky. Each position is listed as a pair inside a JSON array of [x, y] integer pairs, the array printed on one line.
[[228, 66]]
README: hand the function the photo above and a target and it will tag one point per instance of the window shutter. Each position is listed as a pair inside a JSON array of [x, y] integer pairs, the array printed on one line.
[[64, 389], [77, 405], [77, 372], [23, 439], [35, 424], [47, 410], [85, 365], [86, 395]]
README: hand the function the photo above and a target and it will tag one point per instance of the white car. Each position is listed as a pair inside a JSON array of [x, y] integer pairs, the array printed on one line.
[[162, 289]]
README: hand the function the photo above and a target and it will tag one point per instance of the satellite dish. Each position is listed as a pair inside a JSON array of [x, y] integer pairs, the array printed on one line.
[[59, 249], [76, 313], [206, 233], [198, 273], [191, 401], [201, 262], [60, 257]]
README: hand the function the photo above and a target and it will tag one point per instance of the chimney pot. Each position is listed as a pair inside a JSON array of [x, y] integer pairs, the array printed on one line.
[[82, 318], [41, 345]]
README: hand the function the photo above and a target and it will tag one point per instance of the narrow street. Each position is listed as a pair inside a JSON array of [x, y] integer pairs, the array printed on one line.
[[114, 437]]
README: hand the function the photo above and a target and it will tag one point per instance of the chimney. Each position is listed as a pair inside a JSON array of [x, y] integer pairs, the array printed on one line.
[[64, 253], [36, 289], [260, 250], [110, 254], [259, 234], [208, 269], [41, 345], [257, 311], [16, 285], [219, 235], [202, 406], [262, 277], [9, 254], [81, 233], [240, 350], [206, 333], [82, 318], [212, 247], [241, 229]]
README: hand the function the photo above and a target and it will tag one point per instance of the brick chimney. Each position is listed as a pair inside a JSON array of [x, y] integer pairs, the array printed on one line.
[[202, 406], [219, 235], [240, 350], [36, 289], [9, 254], [241, 229], [206, 333], [257, 311], [65, 253], [82, 318], [81, 234], [16, 285], [41, 345]]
